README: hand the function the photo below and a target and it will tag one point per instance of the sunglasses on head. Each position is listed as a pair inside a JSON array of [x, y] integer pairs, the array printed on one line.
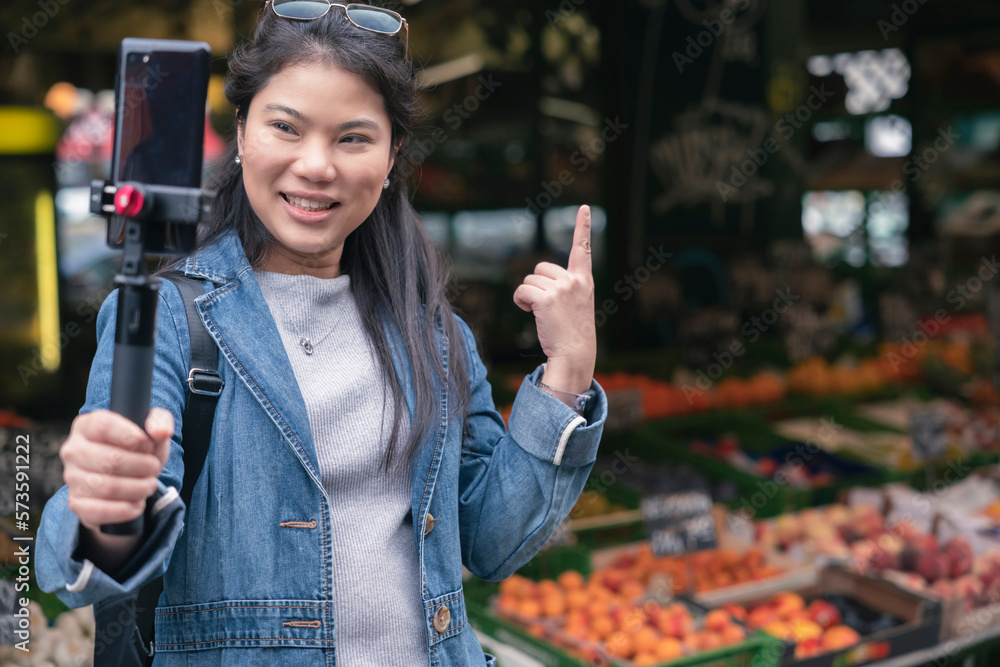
[[366, 17]]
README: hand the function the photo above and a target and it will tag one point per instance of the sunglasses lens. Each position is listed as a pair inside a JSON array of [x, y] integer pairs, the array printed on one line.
[[374, 19], [300, 9]]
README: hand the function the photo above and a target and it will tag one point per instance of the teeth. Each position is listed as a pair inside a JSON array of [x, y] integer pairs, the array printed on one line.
[[307, 204]]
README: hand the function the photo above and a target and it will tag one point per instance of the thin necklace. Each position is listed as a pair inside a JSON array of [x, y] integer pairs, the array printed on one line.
[[309, 346]]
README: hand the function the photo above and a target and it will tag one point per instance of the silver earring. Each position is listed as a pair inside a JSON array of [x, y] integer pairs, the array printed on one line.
[[385, 184], [238, 159]]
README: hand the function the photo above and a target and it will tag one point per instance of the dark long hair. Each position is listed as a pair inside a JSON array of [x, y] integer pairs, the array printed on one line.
[[396, 276]]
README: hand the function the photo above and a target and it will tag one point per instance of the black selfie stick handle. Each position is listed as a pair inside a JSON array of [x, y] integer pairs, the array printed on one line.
[[132, 367]]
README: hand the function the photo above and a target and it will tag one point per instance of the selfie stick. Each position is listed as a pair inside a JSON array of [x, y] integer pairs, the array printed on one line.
[[135, 331]]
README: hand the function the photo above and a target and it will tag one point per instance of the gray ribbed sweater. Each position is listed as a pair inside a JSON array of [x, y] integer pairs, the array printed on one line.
[[376, 589]]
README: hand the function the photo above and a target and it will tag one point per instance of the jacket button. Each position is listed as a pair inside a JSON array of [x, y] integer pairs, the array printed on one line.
[[442, 618], [429, 526]]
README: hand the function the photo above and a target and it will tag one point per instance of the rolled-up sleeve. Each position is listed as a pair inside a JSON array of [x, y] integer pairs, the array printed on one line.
[[551, 430], [78, 582]]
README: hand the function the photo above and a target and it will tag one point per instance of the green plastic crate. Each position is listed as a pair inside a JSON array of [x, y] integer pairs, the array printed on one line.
[[756, 651]]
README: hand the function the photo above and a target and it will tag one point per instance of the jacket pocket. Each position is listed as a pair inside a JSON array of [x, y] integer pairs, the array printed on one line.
[[445, 616], [244, 623]]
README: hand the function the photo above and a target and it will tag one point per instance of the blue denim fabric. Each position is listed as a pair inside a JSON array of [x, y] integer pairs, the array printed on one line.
[[239, 588]]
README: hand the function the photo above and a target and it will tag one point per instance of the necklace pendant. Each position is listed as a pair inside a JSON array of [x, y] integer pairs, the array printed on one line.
[[306, 345]]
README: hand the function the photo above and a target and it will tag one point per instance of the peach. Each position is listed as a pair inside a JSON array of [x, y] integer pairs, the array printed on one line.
[[530, 608], [669, 648], [824, 613], [613, 579], [786, 603], [732, 634], [629, 618], [632, 589], [706, 640], [673, 624], [577, 630], [571, 580], [596, 608], [620, 645], [762, 616], [645, 640], [548, 587], [736, 611], [507, 605], [803, 629], [516, 586], [577, 599], [779, 629], [553, 604], [717, 619], [602, 626], [838, 637], [809, 647]]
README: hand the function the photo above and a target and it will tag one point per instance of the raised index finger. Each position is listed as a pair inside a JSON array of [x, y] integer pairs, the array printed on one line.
[[579, 254]]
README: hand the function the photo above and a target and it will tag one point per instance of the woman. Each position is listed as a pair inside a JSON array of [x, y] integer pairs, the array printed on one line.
[[357, 461]]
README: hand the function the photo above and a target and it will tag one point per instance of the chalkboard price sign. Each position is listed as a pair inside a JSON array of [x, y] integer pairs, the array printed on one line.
[[679, 522], [927, 429]]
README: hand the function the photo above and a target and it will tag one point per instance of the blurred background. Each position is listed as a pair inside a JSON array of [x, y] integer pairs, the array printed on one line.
[[813, 141], [796, 214]]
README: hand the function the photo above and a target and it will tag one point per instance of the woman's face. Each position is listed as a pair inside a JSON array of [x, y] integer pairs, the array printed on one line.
[[316, 149]]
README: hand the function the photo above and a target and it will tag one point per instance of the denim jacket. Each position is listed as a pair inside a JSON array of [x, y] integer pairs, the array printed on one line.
[[247, 568]]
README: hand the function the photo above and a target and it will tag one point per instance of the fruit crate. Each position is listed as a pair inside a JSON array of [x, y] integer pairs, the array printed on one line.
[[515, 636], [765, 497], [757, 651], [920, 617]]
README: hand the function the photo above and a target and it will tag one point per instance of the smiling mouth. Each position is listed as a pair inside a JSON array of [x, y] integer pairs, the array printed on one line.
[[307, 204]]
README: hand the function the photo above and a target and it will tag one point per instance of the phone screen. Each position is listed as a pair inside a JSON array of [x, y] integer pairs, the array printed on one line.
[[160, 95]]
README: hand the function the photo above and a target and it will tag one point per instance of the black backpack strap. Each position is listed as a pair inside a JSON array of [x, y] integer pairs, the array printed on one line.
[[204, 388], [205, 385]]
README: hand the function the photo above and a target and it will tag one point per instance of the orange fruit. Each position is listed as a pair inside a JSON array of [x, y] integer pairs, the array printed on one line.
[[632, 621], [577, 630], [632, 589], [620, 645], [645, 659], [507, 605], [732, 634], [707, 641], [571, 580], [530, 608], [645, 640], [596, 608], [669, 648], [577, 599], [602, 626], [717, 619], [515, 585], [553, 604], [547, 587]]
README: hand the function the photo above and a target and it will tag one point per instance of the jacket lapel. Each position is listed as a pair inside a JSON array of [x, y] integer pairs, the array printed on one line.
[[238, 318]]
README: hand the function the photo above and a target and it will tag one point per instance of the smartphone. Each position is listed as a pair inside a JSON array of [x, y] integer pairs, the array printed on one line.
[[161, 87]]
